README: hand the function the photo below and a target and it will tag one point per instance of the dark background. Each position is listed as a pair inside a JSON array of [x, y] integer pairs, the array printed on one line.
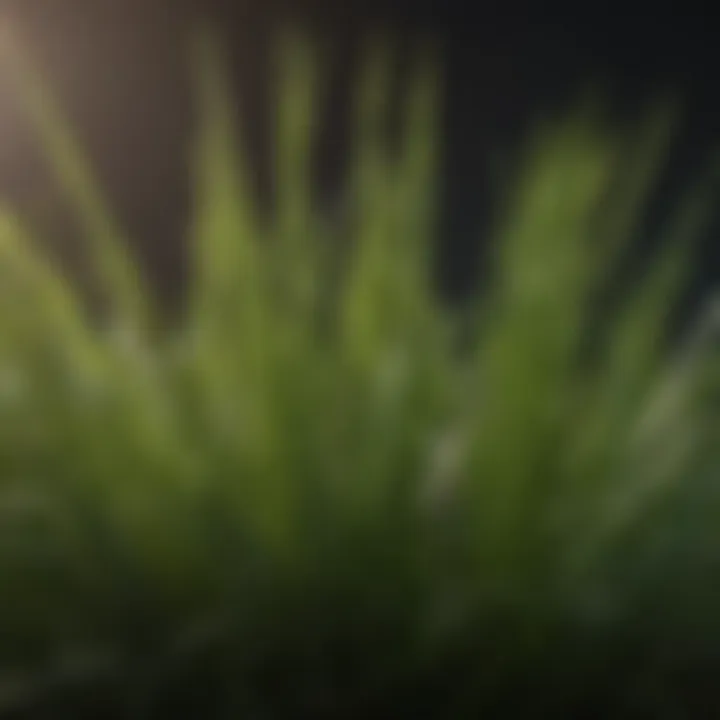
[[120, 69]]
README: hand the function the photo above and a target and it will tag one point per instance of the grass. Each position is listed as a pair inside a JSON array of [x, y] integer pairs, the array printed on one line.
[[305, 500]]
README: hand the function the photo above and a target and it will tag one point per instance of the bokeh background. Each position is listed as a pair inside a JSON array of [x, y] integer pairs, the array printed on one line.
[[121, 72], [207, 512]]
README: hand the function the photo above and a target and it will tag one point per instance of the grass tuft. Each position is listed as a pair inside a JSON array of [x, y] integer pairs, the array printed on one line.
[[305, 501]]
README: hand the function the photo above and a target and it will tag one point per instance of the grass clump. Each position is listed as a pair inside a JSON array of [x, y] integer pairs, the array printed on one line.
[[304, 500]]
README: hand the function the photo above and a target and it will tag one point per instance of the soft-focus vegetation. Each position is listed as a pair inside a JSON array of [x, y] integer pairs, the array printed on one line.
[[326, 494]]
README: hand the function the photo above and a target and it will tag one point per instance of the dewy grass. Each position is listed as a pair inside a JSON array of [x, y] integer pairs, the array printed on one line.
[[304, 501]]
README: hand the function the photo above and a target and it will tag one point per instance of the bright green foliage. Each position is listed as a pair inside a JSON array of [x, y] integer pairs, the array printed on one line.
[[307, 482]]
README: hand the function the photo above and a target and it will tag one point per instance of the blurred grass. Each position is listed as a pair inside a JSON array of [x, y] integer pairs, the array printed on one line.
[[305, 501]]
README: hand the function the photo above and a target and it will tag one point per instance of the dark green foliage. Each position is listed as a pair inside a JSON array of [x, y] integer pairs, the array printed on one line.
[[305, 501]]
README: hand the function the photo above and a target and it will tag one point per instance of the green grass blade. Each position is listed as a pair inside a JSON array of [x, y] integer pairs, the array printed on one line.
[[234, 327], [641, 156], [366, 309], [119, 275], [296, 260], [528, 352]]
